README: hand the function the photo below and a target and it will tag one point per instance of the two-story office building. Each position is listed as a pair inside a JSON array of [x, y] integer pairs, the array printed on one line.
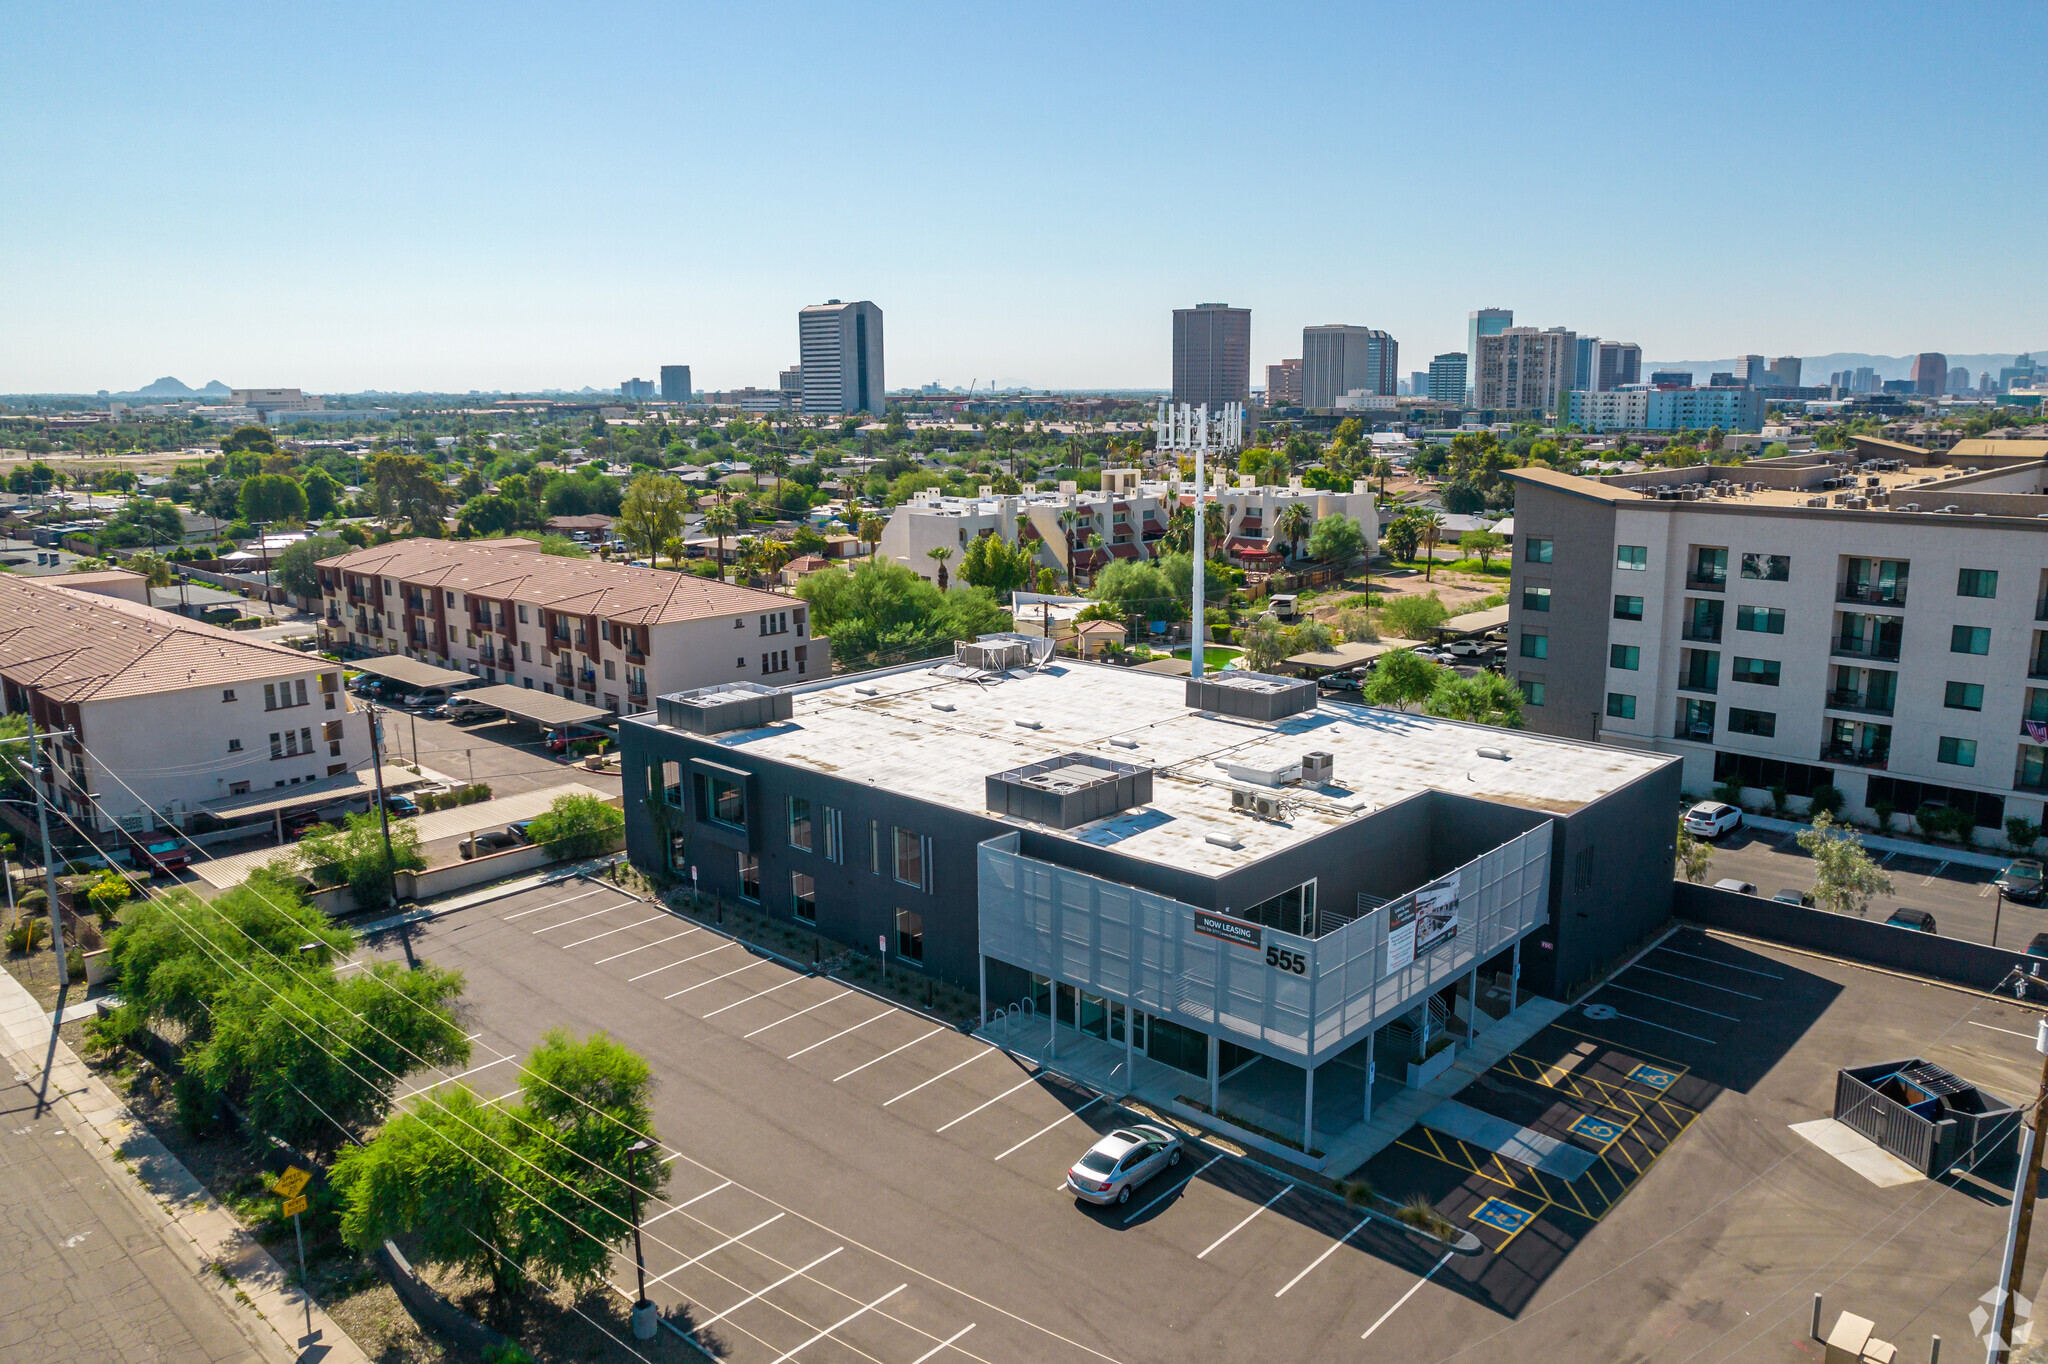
[[607, 634], [1204, 871], [1874, 620]]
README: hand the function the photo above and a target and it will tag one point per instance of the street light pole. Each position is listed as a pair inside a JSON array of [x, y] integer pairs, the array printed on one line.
[[1997, 909], [49, 863], [644, 1323]]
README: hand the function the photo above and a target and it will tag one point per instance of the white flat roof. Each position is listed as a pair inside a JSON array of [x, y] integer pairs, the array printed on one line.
[[936, 739]]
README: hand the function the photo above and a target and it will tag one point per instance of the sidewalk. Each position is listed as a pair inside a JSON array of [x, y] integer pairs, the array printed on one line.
[[172, 1211]]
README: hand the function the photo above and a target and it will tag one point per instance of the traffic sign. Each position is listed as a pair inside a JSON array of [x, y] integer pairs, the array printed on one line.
[[293, 1181], [294, 1205]]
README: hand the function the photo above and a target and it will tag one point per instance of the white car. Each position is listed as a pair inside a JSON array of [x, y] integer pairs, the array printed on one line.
[[1711, 819], [1121, 1161], [1467, 648]]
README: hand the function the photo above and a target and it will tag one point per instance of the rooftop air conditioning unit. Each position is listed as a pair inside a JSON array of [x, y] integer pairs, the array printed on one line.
[[1258, 804], [1318, 768]]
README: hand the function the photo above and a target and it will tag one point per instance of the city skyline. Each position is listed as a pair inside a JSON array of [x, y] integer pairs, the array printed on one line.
[[415, 210]]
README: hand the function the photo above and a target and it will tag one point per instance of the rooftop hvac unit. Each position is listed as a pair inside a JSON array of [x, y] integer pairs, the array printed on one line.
[[1268, 772], [1318, 768], [1816, 501], [1856, 503], [1258, 804]]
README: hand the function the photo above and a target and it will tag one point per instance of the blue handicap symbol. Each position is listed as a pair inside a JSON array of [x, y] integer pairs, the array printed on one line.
[[1653, 1077], [1596, 1129], [1502, 1215]]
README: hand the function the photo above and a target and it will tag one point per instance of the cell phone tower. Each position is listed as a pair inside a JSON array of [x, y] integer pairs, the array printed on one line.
[[1183, 429]]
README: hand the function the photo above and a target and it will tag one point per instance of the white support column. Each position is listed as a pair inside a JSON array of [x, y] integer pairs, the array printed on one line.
[[1472, 1010], [1372, 1042], [1308, 1111], [1052, 1013], [1130, 1048], [1215, 1080], [1515, 980], [981, 959]]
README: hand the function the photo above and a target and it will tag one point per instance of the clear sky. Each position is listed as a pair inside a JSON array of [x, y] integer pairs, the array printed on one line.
[[451, 196]]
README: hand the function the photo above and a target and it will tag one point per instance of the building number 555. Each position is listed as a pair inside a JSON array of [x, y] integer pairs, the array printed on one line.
[[1286, 961]]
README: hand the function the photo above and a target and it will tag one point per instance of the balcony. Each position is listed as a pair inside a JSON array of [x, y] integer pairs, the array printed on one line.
[[1705, 631], [1850, 755], [2038, 665], [1698, 731], [1710, 583], [1872, 594], [1884, 650], [2041, 609], [1859, 701]]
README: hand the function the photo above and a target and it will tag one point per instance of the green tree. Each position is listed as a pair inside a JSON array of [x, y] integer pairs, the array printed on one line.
[[1431, 525], [576, 826], [298, 568], [271, 497], [721, 521], [1402, 679], [1267, 643], [1481, 545], [407, 487], [994, 563], [884, 607], [1336, 540], [1402, 536], [495, 514], [938, 554], [256, 438], [1483, 699], [1295, 522], [870, 530], [1134, 587], [355, 856], [1694, 856], [1844, 877], [155, 569], [652, 512], [323, 492], [1413, 617]]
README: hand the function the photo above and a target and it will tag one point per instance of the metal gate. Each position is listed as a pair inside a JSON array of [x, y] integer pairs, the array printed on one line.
[[1885, 1121]]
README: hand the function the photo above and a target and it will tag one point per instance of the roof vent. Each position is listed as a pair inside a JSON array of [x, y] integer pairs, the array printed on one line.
[[942, 705], [1029, 724], [1223, 840], [725, 707], [1122, 742], [1500, 754], [868, 691]]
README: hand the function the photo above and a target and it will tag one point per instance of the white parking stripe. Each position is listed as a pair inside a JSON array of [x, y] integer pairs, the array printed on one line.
[[1054, 1123], [788, 1355], [1405, 1296], [1690, 981], [756, 995], [686, 1203], [887, 1054], [581, 917], [1325, 1255], [942, 1075], [1174, 1190], [715, 979], [554, 904], [446, 1078], [659, 969], [2008, 1031], [1665, 1027], [644, 946], [728, 1241], [943, 1344], [1028, 1080], [637, 923], [793, 1274], [1676, 1004], [841, 1033], [1715, 961], [1247, 1221], [798, 1014]]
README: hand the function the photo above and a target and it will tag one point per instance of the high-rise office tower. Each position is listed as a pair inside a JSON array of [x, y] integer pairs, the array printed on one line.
[[840, 354], [1418, 383], [2019, 374], [1930, 373], [1482, 322], [1338, 359], [1865, 381], [1283, 384], [1784, 372], [1212, 355], [1959, 379], [636, 390], [1750, 369], [675, 383], [1588, 368], [1447, 377], [1523, 369]]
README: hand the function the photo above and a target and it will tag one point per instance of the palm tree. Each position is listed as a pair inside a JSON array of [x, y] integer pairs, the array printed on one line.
[[1383, 469], [1094, 544], [1294, 522], [870, 531], [938, 554], [1067, 529], [1432, 530], [721, 521]]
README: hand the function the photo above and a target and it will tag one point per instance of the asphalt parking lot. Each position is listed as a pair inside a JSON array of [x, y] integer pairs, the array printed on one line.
[[850, 1179], [1961, 898], [507, 754]]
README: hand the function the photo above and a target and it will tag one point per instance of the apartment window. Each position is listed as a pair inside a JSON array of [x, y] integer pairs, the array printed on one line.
[[526, 654], [1761, 671], [803, 897], [1620, 706], [800, 823], [1969, 639], [1768, 568], [721, 801], [1535, 645], [305, 741], [450, 597], [1957, 752], [1762, 723], [234, 745], [1628, 608], [1532, 692], [299, 688], [1632, 556], [522, 615], [750, 877], [1977, 582], [276, 745], [609, 674], [1626, 656], [1964, 696], [238, 788], [909, 935], [227, 694], [387, 587], [1535, 598], [875, 846], [1538, 551], [909, 858], [835, 836], [1766, 620], [270, 696]]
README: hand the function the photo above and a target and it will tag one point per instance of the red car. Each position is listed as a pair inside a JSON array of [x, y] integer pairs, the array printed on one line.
[[165, 858]]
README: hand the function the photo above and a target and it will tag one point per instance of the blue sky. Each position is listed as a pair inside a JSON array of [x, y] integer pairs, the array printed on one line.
[[508, 196]]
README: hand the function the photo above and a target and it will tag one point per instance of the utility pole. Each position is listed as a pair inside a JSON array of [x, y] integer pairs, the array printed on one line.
[[2014, 1269], [49, 863], [383, 815]]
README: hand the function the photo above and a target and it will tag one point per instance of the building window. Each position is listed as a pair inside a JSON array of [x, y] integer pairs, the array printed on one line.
[[1969, 639], [909, 935], [1964, 696], [299, 687], [227, 694], [1620, 706], [526, 654], [1977, 582], [276, 745], [909, 858], [835, 836], [1535, 645], [803, 897], [1532, 692], [270, 696], [1696, 720], [522, 615], [1632, 556], [1958, 752], [1626, 656], [721, 801], [1628, 608], [1762, 723], [1291, 911], [238, 788], [671, 784], [610, 674], [1767, 620], [1762, 671], [1535, 598], [1537, 551], [1768, 568], [750, 877], [800, 823], [234, 745]]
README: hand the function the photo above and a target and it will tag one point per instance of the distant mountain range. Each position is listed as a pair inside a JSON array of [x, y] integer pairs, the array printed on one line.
[[169, 387], [1814, 369]]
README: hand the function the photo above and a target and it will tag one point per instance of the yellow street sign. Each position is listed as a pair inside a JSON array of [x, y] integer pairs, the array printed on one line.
[[294, 1205], [293, 1181]]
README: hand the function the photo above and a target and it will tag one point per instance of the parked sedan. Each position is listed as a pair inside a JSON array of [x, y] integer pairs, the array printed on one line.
[[1121, 1161], [1919, 920], [2021, 880], [1711, 819]]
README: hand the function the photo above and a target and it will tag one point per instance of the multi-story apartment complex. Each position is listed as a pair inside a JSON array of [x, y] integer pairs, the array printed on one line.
[[1283, 384], [1447, 378], [675, 383], [1875, 621], [166, 716], [840, 356], [607, 634], [1482, 322], [1668, 409], [1212, 355], [1128, 515], [1338, 359], [1522, 369], [636, 390]]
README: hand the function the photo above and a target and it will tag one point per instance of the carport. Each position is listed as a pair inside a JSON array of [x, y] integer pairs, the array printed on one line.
[[279, 801], [541, 708], [1473, 623], [411, 672], [1336, 658]]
